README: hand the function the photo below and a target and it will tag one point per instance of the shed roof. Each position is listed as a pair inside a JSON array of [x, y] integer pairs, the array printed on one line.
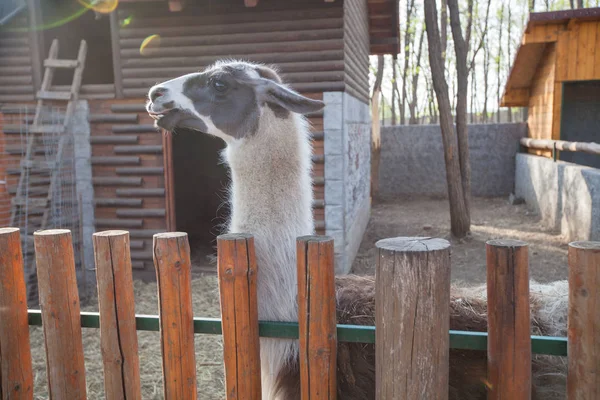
[[533, 44]]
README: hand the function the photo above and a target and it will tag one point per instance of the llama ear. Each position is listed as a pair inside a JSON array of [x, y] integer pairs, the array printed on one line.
[[272, 92]]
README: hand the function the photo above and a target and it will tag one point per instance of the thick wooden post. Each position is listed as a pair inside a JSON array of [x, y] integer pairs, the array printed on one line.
[[16, 377], [583, 379], [59, 303], [317, 318], [509, 325], [239, 314], [118, 336], [412, 316], [173, 273]]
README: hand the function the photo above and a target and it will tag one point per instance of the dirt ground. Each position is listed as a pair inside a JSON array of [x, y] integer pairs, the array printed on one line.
[[491, 218]]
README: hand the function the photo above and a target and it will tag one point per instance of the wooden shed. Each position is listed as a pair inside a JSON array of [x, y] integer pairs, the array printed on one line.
[[556, 75], [147, 182]]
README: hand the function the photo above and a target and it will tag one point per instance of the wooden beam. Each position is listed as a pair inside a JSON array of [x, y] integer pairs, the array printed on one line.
[[250, 3], [515, 98]]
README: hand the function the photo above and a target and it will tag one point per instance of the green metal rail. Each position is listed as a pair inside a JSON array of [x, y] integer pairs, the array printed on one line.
[[549, 345]]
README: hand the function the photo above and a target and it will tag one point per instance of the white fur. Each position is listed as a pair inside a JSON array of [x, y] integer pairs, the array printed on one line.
[[271, 196]]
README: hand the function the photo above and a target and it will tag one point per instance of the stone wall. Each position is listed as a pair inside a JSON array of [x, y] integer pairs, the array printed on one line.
[[347, 128], [412, 159], [565, 195]]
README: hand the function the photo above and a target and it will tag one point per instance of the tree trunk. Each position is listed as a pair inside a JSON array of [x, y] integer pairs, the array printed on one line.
[[444, 28], [508, 55], [486, 75], [459, 216], [375, 128], [394, 86], [407, 49], [415, 81], [579, 3], [499, 61], [462, 74]]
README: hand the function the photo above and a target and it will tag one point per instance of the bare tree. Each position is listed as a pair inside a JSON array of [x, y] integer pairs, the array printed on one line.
[[461, 48], [579, 3], [499, 59], [408, 38], [460, 220], [486, 82], [444, 27], [394, 89], [412, 106], [508, 52], [375, 126]]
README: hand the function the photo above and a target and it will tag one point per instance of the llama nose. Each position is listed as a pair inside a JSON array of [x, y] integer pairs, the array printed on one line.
[[157, 92]]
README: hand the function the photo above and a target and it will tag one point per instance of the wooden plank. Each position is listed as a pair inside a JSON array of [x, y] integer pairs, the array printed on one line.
[[141, 213], [107, 202], [118, 223], [573, 55], [586, 51], [237, 273], [54, 63], [556, 111], [113, 139], [169, 179], [137, 128], [117, 181], [114, 118], [317, 317], [138, 149], [59, 302], [140, 171], [122, 160], [515, 98], [412, 318], [116, 303], [143, 192], [116, 55], [583, 379], [562, 56], [509, 343], [173, 274], [597, 53], [16, 373], [46, 95]]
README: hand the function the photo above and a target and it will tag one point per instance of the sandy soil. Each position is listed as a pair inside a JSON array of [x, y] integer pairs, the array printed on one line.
[[491, 218]]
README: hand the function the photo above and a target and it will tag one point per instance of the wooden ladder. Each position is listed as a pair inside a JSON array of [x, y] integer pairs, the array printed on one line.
[[36, 200]]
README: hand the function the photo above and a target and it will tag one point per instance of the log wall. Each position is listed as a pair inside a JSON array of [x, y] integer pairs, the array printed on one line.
[[16, 71]]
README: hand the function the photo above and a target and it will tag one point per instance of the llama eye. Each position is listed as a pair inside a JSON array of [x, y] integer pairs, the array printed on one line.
[[219, 85]]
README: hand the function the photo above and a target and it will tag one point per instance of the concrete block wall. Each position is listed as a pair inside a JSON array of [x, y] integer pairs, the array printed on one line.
[[412, 159], [347, 128], [566, 196]]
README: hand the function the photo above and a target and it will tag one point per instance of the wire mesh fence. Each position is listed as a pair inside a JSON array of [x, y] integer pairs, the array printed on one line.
[[28, 198]]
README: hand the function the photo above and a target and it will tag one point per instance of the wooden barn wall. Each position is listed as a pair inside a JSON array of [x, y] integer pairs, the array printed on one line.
[[541, 97], [356, 48], [304, 38], [16, 75]]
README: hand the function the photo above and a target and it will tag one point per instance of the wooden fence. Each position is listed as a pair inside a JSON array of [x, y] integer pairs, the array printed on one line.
[[412, 318]]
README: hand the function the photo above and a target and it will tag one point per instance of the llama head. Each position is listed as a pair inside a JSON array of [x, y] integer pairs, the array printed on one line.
[[225, 100]]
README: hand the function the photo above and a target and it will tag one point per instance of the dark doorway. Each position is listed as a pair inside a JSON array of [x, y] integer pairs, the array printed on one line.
[[580, 120], [201, 184], [70, 22]]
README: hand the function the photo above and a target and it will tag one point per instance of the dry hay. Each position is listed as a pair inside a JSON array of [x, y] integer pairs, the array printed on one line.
[[209, 351]]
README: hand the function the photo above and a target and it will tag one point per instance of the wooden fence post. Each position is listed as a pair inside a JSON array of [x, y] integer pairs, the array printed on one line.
[[317, 318], [583, 378], [509, 324], [173, 272], [118, 335], [412, 317], [59, 303], [16, 376], [239, 315]]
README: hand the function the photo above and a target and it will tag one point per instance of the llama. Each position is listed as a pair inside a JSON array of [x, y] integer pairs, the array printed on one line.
[[268, 151]]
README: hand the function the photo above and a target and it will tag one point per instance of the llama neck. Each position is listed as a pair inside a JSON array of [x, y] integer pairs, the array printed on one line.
[[271, 198]]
